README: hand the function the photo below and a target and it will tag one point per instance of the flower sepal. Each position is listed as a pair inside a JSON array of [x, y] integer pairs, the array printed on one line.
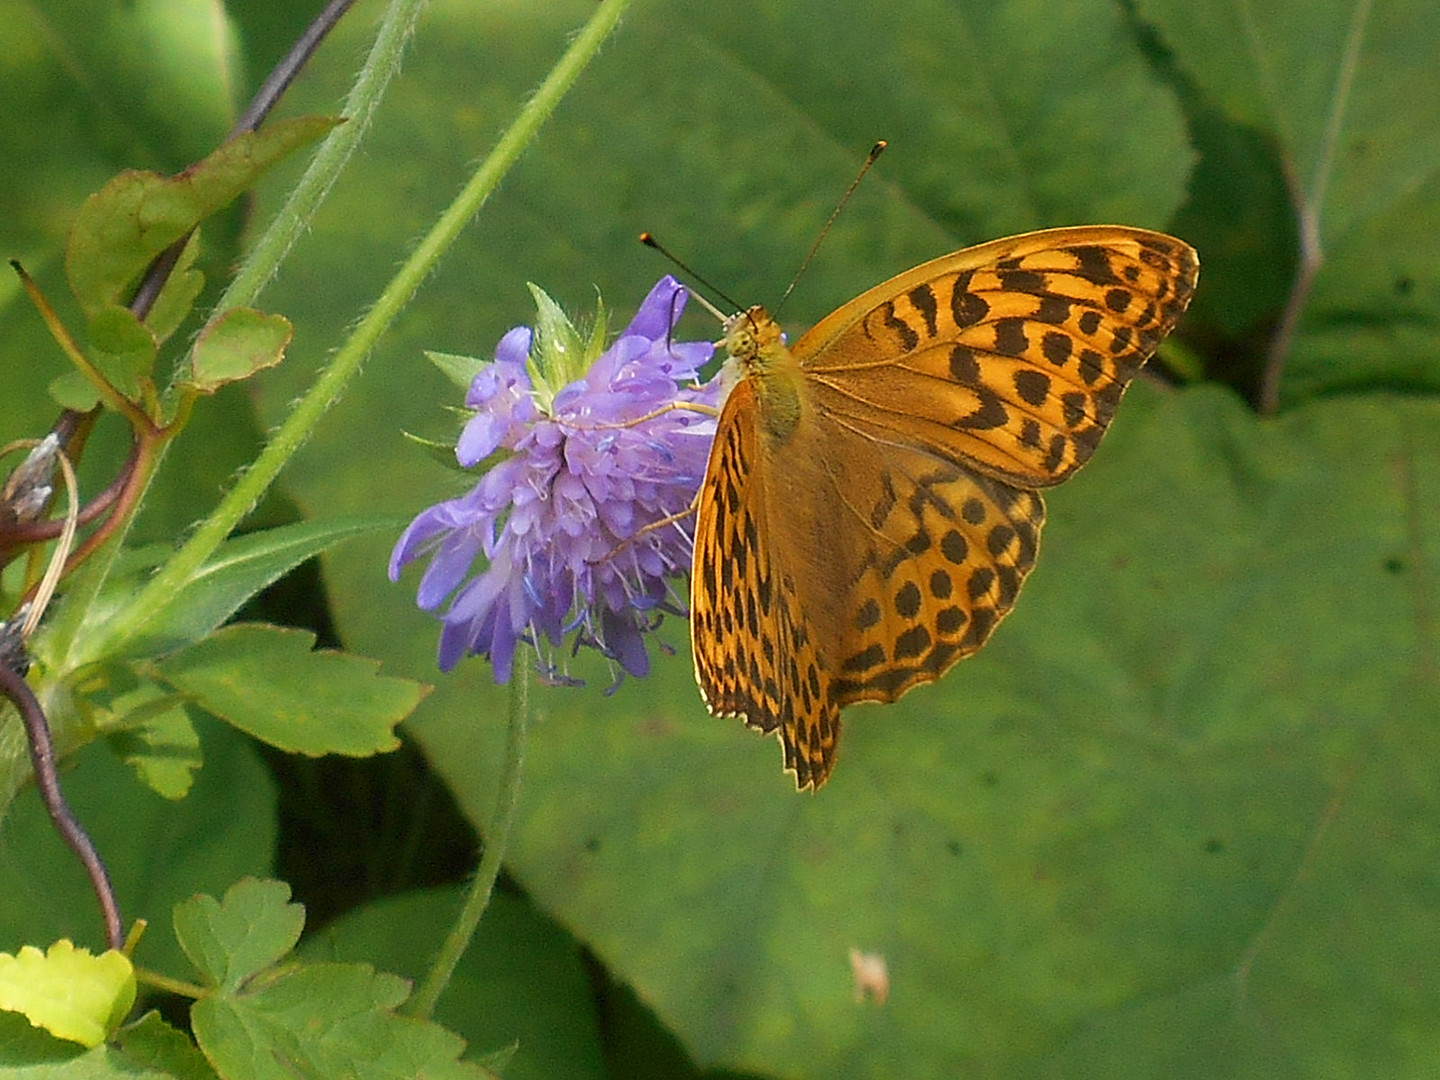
[[460, 370], [561, 352]]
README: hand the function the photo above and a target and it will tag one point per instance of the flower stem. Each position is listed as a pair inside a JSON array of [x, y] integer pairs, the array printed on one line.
[[331, 383], [156, 981], [507, 797], [361, 103]]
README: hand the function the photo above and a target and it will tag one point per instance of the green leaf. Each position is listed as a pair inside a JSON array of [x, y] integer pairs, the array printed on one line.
[[69, 992], [149, 729], [241, 568], [557, 350], [73, 390], [231, 941], [327, 1020], [460, 370], [1348, 94], [521, 989], [177, 298], [443, 454], [123, 349], [147, 1050], [1124, 833], [235, 346], [308, 1019], [121, 228], [23, 1046], [151, 1042], [270, 682]]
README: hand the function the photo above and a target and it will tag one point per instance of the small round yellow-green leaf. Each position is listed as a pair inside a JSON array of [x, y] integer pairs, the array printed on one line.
[[72, 390], [68, 991], [236, 345]]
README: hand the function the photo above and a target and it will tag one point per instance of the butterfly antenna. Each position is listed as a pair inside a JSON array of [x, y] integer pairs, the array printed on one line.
[[875, 152], [649, 241]]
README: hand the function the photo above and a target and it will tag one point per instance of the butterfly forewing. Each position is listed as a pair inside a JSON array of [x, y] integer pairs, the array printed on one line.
[[1011, 356]]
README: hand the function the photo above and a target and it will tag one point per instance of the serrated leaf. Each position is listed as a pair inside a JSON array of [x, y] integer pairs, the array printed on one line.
[[137, 215], [152, 1043], [269, 681], [236, 346], [69, 992], [327, 1020], [232, 940], [149, 729]]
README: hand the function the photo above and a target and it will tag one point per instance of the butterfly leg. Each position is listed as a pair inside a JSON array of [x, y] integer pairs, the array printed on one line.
[[669, 407], [665, 522]]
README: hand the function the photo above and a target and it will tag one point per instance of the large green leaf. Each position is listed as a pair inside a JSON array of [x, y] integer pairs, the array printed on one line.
[[1349, 93], [1159, 786]]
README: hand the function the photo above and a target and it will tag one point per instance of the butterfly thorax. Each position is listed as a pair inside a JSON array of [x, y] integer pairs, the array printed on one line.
[[757, 347]]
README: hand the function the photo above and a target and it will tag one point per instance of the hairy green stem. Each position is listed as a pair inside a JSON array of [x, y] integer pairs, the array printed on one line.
[[330, 161], [507, 798], [331, 383]]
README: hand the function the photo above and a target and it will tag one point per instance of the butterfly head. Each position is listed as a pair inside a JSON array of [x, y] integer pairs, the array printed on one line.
[[754, 338]]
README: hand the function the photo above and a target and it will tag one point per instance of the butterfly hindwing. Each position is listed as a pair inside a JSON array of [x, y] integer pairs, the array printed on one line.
[[754, 655], [934, 556]]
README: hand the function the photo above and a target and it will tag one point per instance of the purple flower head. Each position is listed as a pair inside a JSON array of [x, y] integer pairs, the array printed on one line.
[[583, 456]]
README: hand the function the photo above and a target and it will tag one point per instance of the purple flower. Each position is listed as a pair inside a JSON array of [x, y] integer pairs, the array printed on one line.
[[583, 456]]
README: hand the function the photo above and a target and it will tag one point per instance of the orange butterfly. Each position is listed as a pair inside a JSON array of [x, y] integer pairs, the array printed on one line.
[[870, 508]]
